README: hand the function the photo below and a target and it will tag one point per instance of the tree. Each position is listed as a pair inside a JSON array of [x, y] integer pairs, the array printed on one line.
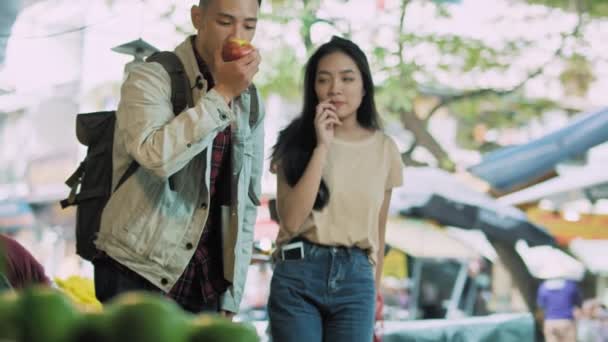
[[595, 8], [403, 83], [493, 106]]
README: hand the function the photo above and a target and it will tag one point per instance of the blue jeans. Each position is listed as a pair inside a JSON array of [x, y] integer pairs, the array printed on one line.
[[327, 296]]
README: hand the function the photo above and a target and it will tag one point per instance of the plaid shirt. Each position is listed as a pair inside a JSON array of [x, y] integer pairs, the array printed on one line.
[[203, 279]]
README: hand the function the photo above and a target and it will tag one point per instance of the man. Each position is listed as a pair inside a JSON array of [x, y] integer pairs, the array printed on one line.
[[192, 240], [558, 298], [18, 268]]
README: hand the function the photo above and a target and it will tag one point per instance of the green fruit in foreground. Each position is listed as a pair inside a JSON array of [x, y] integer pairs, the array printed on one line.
[[208, 328], [45, 315], [146, 317], [92, 327], [8, 315]]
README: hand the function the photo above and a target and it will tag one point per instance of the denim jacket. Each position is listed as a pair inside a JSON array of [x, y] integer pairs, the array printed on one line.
[[153, 229]]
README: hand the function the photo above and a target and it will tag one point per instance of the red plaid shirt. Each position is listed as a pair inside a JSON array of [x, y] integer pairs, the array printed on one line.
[[203, 279]]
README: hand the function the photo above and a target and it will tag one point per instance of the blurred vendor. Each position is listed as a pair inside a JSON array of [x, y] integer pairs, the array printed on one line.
[[19, 267]]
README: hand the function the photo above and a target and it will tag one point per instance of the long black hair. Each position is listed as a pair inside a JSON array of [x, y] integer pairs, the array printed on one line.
[[297, 141]]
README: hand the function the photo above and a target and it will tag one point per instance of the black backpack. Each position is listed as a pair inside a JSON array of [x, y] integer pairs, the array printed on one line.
[[91, 183]]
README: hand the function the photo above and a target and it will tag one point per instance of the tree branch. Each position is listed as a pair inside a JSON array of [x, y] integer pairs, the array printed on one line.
[[412, 147], [406, 157], [409, 161], [403, 8], [424, 138], [487, 91]]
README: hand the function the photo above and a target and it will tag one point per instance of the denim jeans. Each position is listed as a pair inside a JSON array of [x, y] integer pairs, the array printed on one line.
[[329, 295]]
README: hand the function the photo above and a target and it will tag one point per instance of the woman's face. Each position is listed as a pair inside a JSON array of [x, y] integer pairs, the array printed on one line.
[[339, 79]]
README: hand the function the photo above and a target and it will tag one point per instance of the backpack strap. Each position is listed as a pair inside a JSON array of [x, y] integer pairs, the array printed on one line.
[[181, 93]]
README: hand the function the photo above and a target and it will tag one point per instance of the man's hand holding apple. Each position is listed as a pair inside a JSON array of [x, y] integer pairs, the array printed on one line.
[[233, 68]]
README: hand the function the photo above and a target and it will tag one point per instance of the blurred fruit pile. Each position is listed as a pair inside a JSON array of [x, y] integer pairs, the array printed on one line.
[[49, 315]]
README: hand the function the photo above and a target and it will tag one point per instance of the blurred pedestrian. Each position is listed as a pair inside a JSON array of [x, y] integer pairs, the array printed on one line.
[[587, 321], [558, 299]]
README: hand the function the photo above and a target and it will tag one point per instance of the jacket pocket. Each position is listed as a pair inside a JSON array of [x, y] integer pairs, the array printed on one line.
[[138, 212]]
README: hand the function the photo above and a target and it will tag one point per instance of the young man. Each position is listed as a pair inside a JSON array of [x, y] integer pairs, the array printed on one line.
[[192, 240]]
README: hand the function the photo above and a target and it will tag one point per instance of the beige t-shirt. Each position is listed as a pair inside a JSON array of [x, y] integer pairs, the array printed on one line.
[[357, 174]]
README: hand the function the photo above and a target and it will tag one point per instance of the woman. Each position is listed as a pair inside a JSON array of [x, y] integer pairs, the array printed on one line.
[[335, 171]]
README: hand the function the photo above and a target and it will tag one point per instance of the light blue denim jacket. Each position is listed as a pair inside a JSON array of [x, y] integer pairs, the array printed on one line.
[[148, 227]]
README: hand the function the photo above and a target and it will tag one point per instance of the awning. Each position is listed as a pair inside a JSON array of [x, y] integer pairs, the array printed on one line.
[[474, 239], [440, 196], [511, 167], [587, 226], [592, 253], [423, 239], [497, 327], [547, 262], [589, 181]]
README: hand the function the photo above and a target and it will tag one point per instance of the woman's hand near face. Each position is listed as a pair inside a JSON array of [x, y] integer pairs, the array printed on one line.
[[326, 120]]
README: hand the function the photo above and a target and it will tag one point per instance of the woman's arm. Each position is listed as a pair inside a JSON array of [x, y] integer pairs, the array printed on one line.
[[382, 236], [294, 204]]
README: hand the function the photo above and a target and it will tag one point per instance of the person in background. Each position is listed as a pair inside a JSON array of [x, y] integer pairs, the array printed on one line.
[[587, 320], [602, 335], [559, 299], [20, 268]]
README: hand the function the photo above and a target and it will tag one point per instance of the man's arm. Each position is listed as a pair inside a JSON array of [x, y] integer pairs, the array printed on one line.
[[157, 139]]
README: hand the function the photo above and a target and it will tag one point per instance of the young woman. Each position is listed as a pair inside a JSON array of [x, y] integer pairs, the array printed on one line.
[[335, 171]]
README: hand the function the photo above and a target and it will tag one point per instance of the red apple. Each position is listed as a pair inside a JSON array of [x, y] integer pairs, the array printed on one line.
[[235, 49]]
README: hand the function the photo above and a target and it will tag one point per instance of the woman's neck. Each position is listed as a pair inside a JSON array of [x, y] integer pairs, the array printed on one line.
[[351, 130]]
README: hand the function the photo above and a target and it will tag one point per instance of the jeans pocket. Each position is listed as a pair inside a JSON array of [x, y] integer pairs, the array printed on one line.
[[363, 267]]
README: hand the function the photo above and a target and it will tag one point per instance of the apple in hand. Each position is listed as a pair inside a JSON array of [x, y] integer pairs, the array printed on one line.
[[235, 48]]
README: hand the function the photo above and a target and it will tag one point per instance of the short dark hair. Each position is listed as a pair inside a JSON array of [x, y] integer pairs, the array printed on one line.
[[204, 3]]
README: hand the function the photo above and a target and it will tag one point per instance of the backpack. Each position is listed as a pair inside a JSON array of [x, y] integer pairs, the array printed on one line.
[[91, 183]]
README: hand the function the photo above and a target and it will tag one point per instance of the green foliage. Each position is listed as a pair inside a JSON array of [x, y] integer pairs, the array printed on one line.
[[495, 112], [400, 80], [577, 76], [595, 8], [284, 77]]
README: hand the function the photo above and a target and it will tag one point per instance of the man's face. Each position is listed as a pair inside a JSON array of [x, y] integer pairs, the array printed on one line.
[[221, 20]]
